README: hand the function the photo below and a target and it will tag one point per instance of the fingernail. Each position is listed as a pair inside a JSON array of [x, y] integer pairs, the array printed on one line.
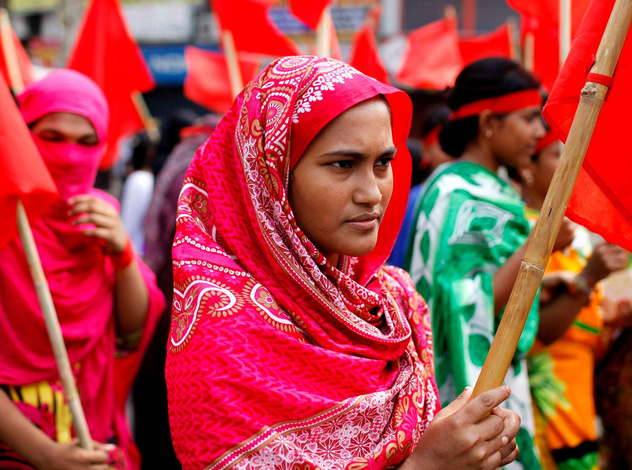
[[504, 440], [111, 447]]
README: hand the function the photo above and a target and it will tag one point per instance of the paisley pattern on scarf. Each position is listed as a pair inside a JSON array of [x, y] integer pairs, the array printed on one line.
[[276, 357]]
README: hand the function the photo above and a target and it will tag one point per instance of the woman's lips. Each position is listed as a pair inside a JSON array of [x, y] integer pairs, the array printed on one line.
[[364, 222]]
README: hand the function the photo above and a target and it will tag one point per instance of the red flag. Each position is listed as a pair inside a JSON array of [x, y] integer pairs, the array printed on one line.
[[432, 58], [549, 10], [106, 52], [601, 199], [207, 82], [365, 56], [24, 63], [498, 43], [251, 27], [309, 11], [546, 49], [23, 174]]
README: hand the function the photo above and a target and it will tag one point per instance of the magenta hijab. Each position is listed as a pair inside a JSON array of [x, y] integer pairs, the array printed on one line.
[[79, 272], [72, 166]]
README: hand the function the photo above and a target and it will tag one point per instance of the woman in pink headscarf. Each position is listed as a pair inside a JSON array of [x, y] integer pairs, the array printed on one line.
[[105, 298], [292, 346]]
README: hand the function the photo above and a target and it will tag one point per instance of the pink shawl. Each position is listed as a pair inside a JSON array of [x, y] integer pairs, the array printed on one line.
[[80, 275], [274, 358]]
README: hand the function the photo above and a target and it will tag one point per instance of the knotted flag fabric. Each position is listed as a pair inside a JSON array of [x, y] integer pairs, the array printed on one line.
[[106, 52], [23, 174], [601, 199]]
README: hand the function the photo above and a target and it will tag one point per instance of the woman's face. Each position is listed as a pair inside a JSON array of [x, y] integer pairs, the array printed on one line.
[[544, 167], [515, 136], [66, 127], [341, 185]]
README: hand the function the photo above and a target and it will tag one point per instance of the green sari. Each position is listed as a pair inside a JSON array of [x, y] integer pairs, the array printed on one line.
[[468, 223]]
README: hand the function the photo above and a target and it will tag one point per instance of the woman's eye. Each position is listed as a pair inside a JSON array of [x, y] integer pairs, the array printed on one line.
[[342, 164], [386, 161]]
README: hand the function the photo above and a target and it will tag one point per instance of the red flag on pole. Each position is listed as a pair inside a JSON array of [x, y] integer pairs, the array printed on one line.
[[207, 82], [251, 27], [23, 174], [546, 49], [309, 11], [549, 10], [24, 63], [498, 43], [601, 199], [106, 52], [432, 58], [365, 56]]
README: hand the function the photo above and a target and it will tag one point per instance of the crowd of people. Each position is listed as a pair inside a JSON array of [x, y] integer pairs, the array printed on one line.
[[286, 294]]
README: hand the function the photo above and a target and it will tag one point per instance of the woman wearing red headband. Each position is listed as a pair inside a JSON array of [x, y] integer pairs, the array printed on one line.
[[471, 230]]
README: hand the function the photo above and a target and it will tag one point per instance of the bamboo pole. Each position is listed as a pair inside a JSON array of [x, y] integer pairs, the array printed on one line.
[[449, 13], [37, 272], [528, 54], [232, 61], [565, 29], [545, 232], [53, 328], [151, 125], [323, 34], [512, 31], [10, 56]]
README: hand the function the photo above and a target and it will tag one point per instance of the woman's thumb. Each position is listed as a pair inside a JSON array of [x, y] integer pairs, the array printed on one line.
[[458, 403]]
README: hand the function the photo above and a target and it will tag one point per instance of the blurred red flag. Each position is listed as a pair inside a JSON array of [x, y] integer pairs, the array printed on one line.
[[498, 43], [23, 174], [549, 10], [365, 56], [432, 58], [106, 52], [601, 199], [24, 63], [546, 49], [251, 27], [207, 82], [309, 11]]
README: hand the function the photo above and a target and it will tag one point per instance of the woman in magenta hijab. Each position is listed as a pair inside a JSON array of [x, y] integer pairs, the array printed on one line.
[[106, 299], [292, 346]]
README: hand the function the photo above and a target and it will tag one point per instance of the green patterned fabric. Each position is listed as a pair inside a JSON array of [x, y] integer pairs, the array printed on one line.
[[469, 222]]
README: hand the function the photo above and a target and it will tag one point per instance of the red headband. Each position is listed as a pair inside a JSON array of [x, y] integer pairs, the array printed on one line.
[[545, 141], [432, 137], [500, 104]]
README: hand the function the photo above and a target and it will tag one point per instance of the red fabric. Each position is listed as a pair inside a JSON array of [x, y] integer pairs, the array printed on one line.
[[309, 11], [207, 82], [549, 11], [365, 56], [24, 62], [252, 28], [432, 58], [23, 174], [601, 199], [503, 104], [495, 44], [284, 342], [546, 49], [106, 52], [79, 273]]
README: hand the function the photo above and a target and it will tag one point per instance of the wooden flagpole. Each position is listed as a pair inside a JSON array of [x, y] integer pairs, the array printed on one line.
[[512, 31], [151, 125], [232, 61], [323, 34], [528, 56], [54, 330], [37, 272], [565, 29], [545, 232]]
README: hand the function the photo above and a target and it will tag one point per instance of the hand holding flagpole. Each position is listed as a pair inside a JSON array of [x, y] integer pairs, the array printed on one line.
[[539, 249]]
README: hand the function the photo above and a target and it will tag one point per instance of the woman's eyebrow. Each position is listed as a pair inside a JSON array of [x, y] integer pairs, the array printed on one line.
[[357, 154]]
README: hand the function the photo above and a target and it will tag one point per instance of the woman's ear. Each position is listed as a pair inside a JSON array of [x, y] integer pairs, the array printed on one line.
[[486, 123]]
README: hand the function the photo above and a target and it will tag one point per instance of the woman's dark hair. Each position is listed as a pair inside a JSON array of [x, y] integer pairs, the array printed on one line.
[[485, 78]]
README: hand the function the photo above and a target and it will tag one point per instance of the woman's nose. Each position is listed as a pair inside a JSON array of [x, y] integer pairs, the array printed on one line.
[[368, 190]]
